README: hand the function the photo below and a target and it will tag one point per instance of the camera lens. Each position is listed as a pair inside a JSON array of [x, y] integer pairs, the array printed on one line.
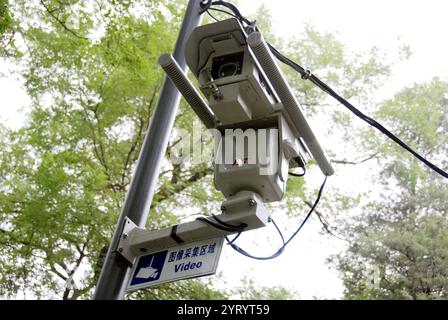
[[228, 69], [228, 65]]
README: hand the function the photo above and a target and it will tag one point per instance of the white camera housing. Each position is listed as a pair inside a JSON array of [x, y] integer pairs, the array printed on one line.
[[228, 75], [256, 158], [245, 89]]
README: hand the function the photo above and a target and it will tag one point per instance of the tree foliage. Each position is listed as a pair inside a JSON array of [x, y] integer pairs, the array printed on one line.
[[93, 88], [250, 291], [5, 18], [398, 244]]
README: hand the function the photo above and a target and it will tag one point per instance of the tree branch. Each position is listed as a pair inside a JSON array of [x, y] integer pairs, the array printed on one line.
[[56, 272], [165, 193], [51, 13], [143, 124], [78, 292], [324, 222], [99, 151], [70, 273], [356, 161]]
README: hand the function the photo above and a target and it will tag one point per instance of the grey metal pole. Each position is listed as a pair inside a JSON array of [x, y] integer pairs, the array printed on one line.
[[115, 272]]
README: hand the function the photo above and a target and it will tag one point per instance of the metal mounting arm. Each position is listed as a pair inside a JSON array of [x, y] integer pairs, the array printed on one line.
[[245, 207]]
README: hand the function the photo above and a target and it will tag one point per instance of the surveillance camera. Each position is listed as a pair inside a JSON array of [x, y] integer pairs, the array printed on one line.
[[245, 92], [228, 74], [242, 82]]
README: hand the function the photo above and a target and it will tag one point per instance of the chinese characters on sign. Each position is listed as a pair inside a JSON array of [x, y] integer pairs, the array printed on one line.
[[191, 252], [190, 260]]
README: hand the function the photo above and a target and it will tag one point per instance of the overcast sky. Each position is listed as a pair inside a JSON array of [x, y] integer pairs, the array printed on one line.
[[360, 25]]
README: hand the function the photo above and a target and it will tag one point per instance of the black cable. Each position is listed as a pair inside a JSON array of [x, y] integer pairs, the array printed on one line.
[[278, 230], [223, 11], [245, 253], [223, 227], [205, 5], [298, 174], [212, 16], [234, 239], [307, 75], [285, 243], [380, 128], [228, 225], [319, 195], [232, 8]]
